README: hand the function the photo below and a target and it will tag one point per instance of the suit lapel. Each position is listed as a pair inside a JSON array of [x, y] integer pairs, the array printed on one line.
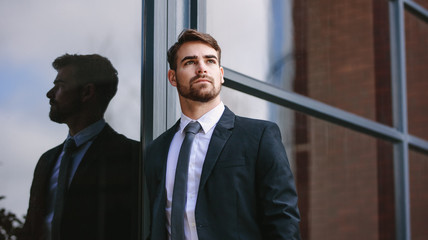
[[221, 134], [47, 164]]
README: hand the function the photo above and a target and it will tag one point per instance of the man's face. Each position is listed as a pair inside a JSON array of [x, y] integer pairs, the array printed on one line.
[[64, 97], [198, 76]]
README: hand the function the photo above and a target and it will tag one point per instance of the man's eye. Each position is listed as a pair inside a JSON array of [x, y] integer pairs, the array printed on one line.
[[211, 61], [189, 62]]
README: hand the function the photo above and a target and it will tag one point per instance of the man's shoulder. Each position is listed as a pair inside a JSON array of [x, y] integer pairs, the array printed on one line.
[[113, 148], [48, 157], [109, 134], [164, 137], [53, 151], [253, 123], [253, 120], [239, 120]]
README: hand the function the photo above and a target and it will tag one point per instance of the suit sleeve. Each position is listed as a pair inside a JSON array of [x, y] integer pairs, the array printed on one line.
[[276, 188]]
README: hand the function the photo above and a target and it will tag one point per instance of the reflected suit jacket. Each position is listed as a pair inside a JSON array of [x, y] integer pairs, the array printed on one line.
[[246, 189], [102, 196]]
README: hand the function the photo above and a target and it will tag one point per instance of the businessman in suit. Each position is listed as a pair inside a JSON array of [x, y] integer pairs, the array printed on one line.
[[237, 181], [85, 188]]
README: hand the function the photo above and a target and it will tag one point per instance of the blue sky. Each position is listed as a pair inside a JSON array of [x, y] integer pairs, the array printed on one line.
[[32, 35]]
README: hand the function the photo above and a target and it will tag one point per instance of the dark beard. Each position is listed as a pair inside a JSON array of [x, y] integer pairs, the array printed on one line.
[[58, 115], [55, 117], [196, 95]]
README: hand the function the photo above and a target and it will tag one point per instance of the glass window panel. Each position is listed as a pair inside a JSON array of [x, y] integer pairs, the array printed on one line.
[[33, 34], [417, 74], [336, 52], [418, 167], [344, 179]]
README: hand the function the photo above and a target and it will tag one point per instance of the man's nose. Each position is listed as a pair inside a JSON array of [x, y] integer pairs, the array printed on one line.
[[202, 67], [50, 94]]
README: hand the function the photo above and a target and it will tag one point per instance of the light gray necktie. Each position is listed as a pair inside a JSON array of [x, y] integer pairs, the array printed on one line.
[[179, 196]]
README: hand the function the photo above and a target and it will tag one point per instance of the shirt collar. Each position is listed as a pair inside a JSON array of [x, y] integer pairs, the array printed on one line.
[[207, 121], [88, 133]]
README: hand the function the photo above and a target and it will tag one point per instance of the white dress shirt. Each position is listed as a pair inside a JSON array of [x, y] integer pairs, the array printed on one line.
[[197, 157]]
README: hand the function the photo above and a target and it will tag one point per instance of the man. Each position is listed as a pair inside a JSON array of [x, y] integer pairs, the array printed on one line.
[[237, 181], [86, 191]]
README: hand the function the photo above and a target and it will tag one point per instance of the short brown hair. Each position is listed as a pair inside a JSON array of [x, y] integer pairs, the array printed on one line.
[[94, 69], [191, 35]]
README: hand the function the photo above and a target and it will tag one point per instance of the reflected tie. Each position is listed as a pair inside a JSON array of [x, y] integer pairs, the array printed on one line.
[[179, 196], [61, 190]]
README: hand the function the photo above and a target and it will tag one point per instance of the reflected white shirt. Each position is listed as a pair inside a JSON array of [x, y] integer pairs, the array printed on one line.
[[197, 157]]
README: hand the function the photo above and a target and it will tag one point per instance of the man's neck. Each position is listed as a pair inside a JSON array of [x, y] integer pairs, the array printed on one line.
[[195, 109], [80, 124]]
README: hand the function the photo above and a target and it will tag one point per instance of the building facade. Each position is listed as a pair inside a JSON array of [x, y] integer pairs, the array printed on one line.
[[344, 80]]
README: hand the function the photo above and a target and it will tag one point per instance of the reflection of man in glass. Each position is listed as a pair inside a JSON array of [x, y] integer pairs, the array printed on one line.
[[84, 188], [215, 175]]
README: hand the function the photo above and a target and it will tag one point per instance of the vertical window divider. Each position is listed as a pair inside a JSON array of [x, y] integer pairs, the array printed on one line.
[[399, 97]]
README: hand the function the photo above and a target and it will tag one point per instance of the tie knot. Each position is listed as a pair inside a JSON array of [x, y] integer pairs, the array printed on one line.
[[192, 127], [70, 145]]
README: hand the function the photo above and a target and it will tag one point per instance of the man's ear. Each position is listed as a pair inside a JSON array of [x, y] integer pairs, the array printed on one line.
[[222, 75], [172, 78], [88, 92]]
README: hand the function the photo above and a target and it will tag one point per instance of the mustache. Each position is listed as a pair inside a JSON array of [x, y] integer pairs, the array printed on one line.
[[199, 76]]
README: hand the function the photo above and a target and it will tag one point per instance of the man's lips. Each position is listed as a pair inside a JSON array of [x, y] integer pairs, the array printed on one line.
[[201, 78]]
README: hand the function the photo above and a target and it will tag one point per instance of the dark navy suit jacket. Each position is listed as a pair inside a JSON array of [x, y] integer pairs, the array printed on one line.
[[101, 201], [246, 190]]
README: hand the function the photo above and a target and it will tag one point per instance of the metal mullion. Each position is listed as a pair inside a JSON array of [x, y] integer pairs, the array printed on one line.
[[146, 124], [418, 144], [194, 14], [309, 106], [202, 15], [399, 96], [416, 9], [176, 22], [153, 91], [159, 65]]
